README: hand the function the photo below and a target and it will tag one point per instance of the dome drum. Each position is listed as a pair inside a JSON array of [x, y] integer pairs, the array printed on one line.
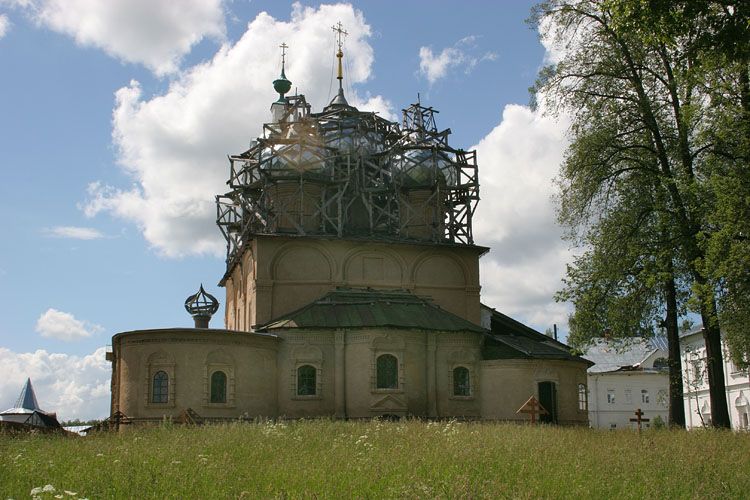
[[422, 214], [294, 207]]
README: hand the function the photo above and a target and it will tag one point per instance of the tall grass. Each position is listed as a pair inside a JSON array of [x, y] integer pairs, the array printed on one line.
[[376, 459]]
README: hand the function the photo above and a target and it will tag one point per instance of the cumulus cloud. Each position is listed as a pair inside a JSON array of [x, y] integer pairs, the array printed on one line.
[[155, 34], [462, 54], [175, 145], [72, 386], [64, 326], [518, 160], [4, 25], [73, 232]]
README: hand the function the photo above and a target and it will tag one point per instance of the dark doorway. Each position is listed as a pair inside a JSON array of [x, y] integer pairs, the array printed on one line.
[[548, 399]]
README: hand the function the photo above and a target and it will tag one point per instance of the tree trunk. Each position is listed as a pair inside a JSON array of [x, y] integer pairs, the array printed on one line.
[[676, 400], [715, 368]]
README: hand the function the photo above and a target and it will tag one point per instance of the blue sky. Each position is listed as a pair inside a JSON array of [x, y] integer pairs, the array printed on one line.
[[116, 118]]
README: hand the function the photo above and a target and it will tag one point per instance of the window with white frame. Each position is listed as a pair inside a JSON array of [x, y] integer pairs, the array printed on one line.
[[644, 396], [661, 397], [697, 371], [661, 364], [611, 396], [583, 400]]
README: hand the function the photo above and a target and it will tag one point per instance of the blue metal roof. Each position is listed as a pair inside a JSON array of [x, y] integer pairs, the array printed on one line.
[[27, 398]]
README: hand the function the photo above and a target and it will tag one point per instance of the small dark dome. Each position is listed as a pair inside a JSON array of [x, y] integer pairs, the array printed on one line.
[[281, 84], [201, 307]]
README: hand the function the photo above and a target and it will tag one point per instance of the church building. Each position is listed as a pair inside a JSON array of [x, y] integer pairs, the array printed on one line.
[[352, 288]]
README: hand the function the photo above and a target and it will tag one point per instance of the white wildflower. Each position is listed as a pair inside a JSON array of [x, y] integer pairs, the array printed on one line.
[[48, 489], [70, 493]]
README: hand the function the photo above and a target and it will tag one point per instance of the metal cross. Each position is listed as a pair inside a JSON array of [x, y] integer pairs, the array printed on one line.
[[283, 46], [338, 28]]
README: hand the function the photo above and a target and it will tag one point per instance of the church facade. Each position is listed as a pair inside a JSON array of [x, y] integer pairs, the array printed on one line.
[[352, 289]]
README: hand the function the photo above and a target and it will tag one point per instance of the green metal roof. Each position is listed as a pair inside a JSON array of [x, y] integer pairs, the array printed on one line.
[[511, 339], [363, 308]]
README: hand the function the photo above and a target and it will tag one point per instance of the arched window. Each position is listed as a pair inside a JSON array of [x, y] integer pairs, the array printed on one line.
[[583, 400], [461, 381], [661, 364], [218, 387], [306, 380], [387, 376], [160, 388]]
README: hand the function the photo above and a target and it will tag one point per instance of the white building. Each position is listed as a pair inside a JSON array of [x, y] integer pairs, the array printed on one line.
[[629, 374], [26, 411], [695, 384]]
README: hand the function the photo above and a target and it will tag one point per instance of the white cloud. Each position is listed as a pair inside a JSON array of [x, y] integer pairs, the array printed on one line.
[[4, 25], [64, 326], [379, 104], [518, 160], [154, 33], [436, 67], [72, 386], [175, 145], [461, 54], [74, 232]]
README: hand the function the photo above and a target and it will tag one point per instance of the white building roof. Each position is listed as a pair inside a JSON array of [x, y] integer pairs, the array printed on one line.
[[612, 355]]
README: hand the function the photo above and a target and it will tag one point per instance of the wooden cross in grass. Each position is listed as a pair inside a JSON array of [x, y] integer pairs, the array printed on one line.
[[533, 408], [639, 418]]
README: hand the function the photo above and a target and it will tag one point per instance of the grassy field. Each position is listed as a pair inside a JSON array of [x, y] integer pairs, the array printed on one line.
[[326, 459]]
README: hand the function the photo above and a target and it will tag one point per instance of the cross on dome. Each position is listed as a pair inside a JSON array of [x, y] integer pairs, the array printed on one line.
[[282, 85], [339, 100], [338, 28], [283, 46]]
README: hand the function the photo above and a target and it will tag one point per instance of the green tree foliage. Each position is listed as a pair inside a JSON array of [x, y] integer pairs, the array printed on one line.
[[654, 88]]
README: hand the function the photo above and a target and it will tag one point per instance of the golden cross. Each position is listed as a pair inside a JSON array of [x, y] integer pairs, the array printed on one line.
[[339, 29]]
